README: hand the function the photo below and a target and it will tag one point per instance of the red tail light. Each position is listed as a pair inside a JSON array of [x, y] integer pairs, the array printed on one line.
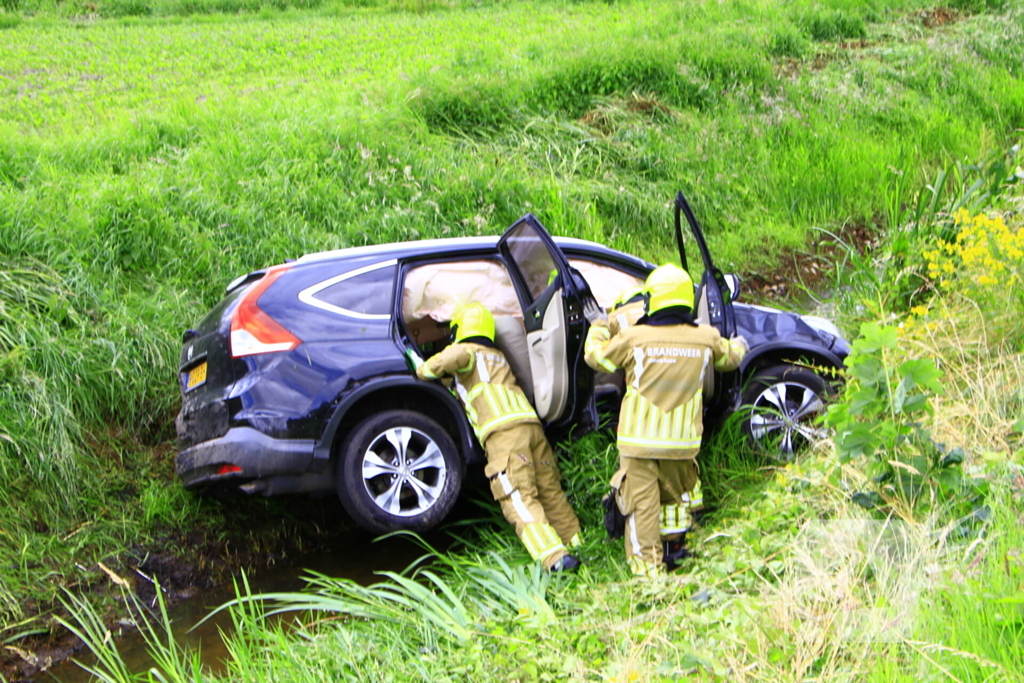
[[252, 330], [228, 469]]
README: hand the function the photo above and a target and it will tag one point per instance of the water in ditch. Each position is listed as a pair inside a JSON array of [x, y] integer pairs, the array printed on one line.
[[356, 558]]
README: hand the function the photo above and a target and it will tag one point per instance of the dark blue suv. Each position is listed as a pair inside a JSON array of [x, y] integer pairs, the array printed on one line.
[[298, 380]]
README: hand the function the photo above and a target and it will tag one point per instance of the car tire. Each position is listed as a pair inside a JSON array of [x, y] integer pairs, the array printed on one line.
[[399, 470], [781, 407]]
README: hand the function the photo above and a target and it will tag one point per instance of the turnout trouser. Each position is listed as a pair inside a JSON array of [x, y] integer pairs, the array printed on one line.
[[656, 497], [524, 478]]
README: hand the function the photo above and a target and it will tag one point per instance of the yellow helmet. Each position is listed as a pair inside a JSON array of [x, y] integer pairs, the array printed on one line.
[[626, 294], [472, 320], [668, 285]]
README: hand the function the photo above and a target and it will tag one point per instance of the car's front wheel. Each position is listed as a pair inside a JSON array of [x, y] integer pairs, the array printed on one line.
[[782, 405], [399, 470]]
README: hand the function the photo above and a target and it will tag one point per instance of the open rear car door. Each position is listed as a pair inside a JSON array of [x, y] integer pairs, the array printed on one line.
[[552, 297]]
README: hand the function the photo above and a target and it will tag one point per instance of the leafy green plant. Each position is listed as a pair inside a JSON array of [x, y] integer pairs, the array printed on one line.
[[882, 420]]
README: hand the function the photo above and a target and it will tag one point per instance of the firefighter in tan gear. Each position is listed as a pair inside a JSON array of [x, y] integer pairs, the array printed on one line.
[[626, 310], [521, 464], [665, 356], [630, 306]]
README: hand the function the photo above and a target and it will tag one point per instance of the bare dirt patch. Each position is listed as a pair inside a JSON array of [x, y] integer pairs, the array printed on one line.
[[932, 18], [938, 16], [809, 269], [607, 117]]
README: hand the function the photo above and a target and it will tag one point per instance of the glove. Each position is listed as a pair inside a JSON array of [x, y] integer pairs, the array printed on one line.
[[742, 341], [414, 359], [593, 312], [614, 520]]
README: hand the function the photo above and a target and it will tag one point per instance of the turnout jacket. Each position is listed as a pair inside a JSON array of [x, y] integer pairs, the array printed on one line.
[[625, 316], [662, 413], [485, 384]]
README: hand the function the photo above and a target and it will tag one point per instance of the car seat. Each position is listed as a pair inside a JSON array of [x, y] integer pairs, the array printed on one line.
[[510, 338]]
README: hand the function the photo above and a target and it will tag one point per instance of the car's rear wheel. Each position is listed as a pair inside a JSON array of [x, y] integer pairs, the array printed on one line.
[[399, 470], [782, 405]]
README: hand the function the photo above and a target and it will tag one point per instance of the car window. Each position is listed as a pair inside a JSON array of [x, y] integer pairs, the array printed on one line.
[[435, 290], [362, 293], [696, 269], [606, 281], [531, 254], [431, 292]]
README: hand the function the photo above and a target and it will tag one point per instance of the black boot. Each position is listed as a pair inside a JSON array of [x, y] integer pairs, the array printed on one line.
[[674, 552]]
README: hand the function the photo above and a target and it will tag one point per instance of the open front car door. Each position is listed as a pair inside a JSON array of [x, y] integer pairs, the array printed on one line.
[[552, 299], [713, 304]]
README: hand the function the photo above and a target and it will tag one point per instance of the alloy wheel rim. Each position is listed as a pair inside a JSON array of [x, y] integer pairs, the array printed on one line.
[[783, 412], [404, 471]]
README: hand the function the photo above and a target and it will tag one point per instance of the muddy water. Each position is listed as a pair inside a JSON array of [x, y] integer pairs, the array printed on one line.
[[357, 559]]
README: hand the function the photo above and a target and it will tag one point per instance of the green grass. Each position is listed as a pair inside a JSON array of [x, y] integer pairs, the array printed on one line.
[[147, 160]]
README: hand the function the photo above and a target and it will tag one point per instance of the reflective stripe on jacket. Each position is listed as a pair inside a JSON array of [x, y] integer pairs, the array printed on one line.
[[625, 316], [662, 413], [486, 385]]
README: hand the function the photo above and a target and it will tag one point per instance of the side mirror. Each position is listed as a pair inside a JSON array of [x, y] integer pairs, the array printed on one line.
[[733, 283]]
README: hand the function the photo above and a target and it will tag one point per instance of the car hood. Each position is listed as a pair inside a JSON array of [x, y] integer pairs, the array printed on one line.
[[763, 325]]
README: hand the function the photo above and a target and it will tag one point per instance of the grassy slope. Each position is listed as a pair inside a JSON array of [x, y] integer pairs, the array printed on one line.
[[145, 163]]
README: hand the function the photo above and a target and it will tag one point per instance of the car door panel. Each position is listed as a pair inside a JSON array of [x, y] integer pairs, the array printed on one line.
[[548, 363], [552, 302]]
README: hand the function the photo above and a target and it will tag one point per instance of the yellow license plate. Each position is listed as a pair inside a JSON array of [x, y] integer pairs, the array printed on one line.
[[196, 376]]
